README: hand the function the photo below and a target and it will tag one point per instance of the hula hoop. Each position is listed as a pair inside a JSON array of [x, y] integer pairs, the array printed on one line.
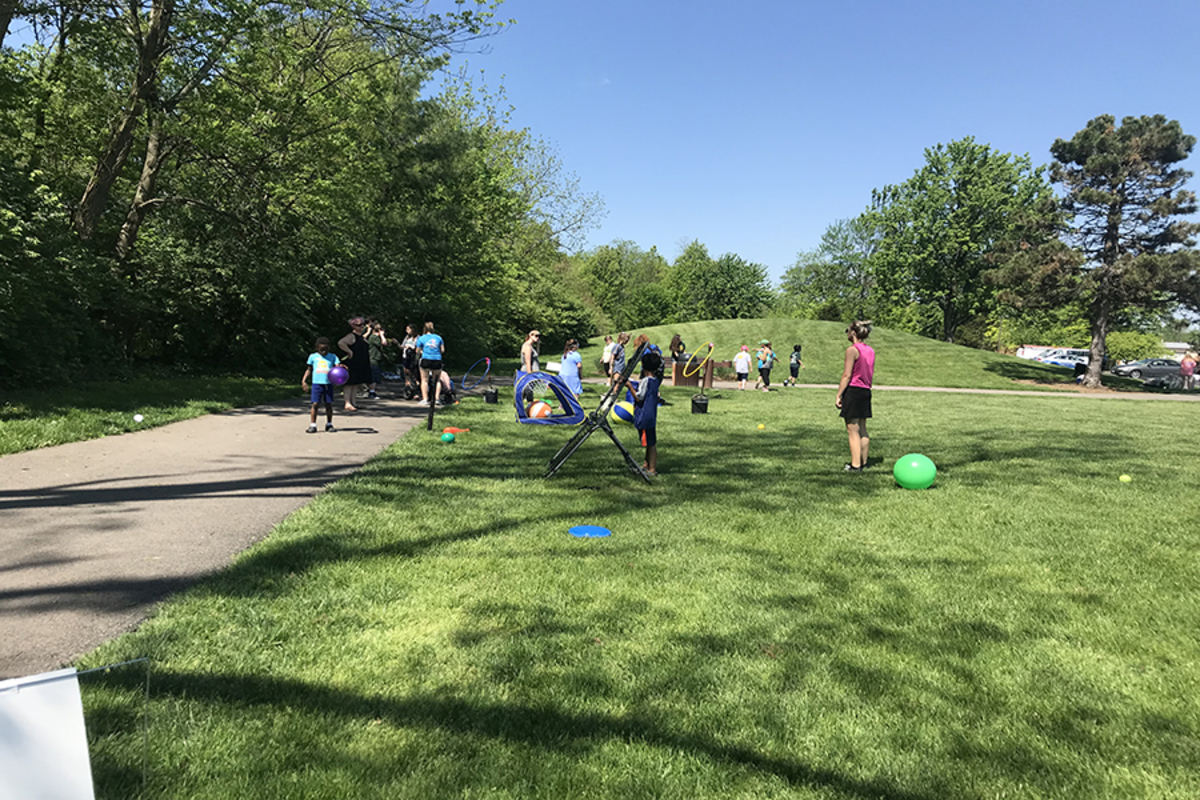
[[700, 366], [486, 370]]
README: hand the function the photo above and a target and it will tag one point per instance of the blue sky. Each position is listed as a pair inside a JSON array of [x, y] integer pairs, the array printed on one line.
[[752, 126]]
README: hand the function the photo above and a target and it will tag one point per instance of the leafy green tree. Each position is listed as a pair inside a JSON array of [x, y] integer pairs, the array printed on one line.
[[726, 288], [626, 283], [1125, 245], [936, 229], [835, 281]]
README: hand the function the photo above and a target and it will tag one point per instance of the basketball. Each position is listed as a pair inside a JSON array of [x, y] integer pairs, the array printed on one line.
[[622, 412], [538, 409]]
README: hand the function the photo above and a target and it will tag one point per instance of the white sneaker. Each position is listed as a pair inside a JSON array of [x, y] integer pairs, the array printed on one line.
[[311, 429]]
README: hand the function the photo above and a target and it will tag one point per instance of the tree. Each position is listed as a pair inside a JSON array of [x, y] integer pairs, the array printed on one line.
[[1125, 198], [1123, 248], [937, 228], [835, 280], [626, 283], [726, 288]]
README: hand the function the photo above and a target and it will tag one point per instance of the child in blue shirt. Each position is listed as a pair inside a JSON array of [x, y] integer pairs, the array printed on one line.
[[645, 407], [319, 364], [432, 350]]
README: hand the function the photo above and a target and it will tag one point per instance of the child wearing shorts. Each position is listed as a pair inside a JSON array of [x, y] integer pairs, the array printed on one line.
[[794, 365], [319, 364], [645, 408], [741, 365]]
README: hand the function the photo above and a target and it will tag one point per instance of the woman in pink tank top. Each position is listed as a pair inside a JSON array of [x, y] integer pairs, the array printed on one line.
[[854, 393]]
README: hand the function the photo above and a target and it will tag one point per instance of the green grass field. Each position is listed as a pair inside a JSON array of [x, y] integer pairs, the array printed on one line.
[[760, 625], [904, 359]]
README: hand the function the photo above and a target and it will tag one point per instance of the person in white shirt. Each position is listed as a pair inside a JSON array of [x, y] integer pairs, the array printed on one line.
[[741, 365]]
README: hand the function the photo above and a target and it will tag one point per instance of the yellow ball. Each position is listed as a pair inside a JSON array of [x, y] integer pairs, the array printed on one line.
[[762, 427], [1125, 479]]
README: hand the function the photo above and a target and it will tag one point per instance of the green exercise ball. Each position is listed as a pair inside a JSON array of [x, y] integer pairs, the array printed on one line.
[[447, 437], [915, 471]]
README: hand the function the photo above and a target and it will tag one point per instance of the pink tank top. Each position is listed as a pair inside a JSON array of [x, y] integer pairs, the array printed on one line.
[[864, 367]]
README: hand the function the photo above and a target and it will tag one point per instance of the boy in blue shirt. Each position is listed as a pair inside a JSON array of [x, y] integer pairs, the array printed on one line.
[[319, 364], [645, 407]]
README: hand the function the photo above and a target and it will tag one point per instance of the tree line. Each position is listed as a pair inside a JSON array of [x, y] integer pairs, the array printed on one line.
[[978, 248], [213, 186]]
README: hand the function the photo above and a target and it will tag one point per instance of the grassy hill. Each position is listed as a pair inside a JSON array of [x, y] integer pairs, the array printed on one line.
[[903, 359]]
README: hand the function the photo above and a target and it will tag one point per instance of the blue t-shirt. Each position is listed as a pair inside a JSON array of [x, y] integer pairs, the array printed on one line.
[[321, 364], [645, 410], [570, 371], [430, 345]]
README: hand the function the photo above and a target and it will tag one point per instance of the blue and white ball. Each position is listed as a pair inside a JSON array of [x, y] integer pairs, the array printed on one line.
[[622, 412]]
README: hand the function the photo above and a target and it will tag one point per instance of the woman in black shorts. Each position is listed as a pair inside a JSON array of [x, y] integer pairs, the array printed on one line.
[[854, 393]]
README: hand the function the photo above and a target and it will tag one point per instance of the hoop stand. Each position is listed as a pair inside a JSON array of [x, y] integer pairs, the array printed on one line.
[[598, 420]]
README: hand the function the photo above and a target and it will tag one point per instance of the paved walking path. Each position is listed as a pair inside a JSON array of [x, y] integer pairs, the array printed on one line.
[[93, 534]]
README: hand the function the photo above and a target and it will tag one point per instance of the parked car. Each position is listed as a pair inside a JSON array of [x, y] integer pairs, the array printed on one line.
[[1147, 368], [1065, 358]]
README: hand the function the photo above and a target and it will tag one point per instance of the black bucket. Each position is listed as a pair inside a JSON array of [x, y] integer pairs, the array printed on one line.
[[699, 404], [491, 396]]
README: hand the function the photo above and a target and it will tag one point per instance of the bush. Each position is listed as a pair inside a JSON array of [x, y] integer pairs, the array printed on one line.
[[1131, 346]]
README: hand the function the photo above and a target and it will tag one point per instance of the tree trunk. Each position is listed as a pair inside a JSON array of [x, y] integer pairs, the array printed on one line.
[[1099, 313], [8, 10], [155, 152], [151, 50]]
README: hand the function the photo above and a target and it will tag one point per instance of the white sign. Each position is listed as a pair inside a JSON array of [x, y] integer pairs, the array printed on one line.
[[43, 744]]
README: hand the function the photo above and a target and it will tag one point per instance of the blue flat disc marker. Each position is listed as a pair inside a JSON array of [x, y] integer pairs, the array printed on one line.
[[589, 531]]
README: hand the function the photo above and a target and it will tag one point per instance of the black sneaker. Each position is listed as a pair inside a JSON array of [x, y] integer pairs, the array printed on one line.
[[328, 428], [372, 396], [311, 429], [851, 468]]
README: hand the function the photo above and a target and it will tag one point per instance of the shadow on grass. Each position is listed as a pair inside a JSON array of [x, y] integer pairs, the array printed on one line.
[[1048, 375], [539, 727], [866, 650]]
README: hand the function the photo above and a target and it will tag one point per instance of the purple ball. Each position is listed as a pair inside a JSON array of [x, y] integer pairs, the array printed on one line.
[[339, 375]]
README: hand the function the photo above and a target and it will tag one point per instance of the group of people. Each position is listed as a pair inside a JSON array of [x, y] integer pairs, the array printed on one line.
[[764, 358], [853, 399], [365, 346], [364, 352], [570, 368]]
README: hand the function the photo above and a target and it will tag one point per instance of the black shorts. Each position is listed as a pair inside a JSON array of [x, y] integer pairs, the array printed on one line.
[[743, 375], [795, 368], [430, 364], [856, 403], [649, 437]]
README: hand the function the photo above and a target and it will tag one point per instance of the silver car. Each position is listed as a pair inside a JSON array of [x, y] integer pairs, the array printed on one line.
[[1147, 368]]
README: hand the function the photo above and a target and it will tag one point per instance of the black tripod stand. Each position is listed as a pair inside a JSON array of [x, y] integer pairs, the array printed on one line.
[[598, 420]]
